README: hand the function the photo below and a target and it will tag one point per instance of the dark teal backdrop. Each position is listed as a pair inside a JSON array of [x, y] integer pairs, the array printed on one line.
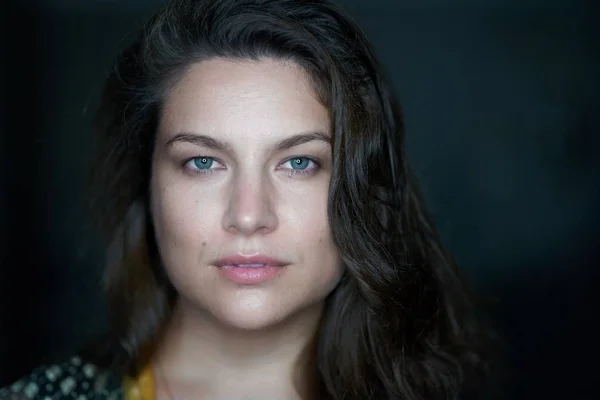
[[502, 107]]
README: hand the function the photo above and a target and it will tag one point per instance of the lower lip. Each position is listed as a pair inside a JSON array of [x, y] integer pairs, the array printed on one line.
[[250, 275]]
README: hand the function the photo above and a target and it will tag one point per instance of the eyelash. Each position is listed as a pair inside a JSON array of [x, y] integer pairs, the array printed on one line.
[[199, 171], [293, 172]]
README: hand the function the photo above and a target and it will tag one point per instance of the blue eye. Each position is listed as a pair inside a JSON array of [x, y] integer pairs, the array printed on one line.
[[301, 166], [203, 165], [300, 162], [203, 162]]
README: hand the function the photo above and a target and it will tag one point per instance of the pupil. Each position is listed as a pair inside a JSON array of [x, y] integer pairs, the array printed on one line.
[[203, 163], [300, 163]]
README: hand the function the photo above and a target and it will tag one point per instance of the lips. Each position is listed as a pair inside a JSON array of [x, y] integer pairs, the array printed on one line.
[[249, 265], [251, 270], [254, 261]]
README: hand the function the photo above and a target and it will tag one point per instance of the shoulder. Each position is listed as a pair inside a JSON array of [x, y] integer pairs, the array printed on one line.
[[73, 379]]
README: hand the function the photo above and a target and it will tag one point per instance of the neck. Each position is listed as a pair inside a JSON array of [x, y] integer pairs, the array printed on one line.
[[199, 354]]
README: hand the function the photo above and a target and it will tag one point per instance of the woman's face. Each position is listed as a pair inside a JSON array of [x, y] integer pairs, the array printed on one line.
[[239, 189]]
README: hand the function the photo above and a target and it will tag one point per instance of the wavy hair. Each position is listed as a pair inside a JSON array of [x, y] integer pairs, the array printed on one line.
[[400, 324]]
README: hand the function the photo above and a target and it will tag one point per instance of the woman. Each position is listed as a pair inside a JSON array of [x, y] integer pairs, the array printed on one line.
[[265, 237]]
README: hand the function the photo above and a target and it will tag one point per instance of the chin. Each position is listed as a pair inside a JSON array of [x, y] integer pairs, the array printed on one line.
[[249, 322], [251, 311], [255, 310]]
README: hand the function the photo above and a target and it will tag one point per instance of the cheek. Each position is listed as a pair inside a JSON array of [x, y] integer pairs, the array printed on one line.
[[308, 224], [305, 207], [306, 230], [182, 217]]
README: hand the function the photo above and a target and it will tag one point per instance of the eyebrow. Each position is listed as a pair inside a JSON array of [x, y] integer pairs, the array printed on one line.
[[215, 144]]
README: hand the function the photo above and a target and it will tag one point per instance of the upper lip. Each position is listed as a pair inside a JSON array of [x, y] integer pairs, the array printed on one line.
[[237, 259]]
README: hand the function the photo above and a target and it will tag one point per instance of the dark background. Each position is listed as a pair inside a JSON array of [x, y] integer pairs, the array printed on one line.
[[502, 107]]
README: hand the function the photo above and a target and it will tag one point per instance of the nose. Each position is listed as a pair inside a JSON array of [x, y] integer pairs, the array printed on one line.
[[250, 206]]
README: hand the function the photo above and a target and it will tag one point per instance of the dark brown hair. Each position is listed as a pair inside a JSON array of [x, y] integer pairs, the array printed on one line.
[[400, 324]]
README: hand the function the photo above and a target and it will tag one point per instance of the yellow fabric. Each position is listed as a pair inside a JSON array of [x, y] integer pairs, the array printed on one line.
[[140, 388]]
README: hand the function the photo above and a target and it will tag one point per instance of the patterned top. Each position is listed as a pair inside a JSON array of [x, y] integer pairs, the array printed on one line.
[[70, 380]]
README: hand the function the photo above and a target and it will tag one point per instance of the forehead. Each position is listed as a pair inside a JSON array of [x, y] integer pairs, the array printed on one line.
[[224, 97]]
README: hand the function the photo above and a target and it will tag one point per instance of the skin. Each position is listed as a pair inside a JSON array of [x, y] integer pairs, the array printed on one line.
[[228, 340]]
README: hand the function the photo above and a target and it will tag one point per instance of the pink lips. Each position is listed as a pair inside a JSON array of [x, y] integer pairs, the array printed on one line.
[[250, 269]]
